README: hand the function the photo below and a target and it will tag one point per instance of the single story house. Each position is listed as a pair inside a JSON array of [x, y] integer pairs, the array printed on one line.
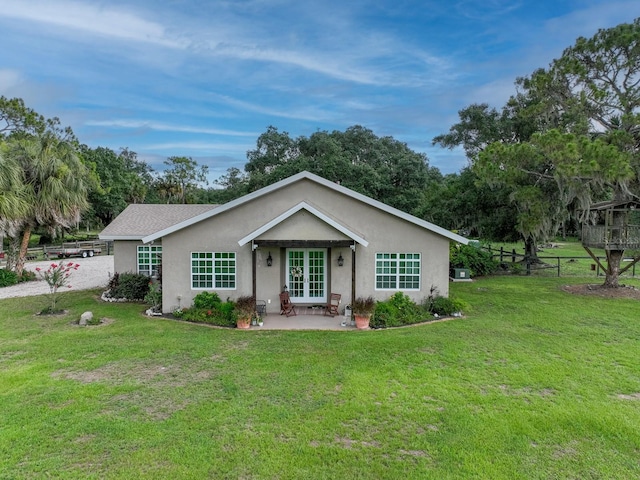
[[304, 234]]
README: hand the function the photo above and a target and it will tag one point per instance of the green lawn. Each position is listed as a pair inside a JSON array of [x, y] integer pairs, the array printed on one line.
[[533, 383]]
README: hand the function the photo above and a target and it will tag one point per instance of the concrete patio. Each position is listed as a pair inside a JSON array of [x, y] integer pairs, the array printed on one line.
[[304, 321]]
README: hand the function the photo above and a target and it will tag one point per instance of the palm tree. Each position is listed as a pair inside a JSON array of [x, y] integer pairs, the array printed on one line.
[[13, 201], [54, 185], [13, 204]]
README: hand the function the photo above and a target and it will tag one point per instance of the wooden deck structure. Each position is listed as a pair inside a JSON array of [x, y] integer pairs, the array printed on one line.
[[614, 228]]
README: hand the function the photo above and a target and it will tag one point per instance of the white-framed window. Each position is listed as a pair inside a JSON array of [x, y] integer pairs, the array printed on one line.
[[149, 258], [213, 270], [398, 271]]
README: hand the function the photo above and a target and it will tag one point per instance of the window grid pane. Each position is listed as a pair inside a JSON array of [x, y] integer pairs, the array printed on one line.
[[213, 270], [149, 258], [225, 269], [398, 271], [201, 270]]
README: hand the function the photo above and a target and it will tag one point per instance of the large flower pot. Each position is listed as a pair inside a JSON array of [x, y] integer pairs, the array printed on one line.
[[362, 321], [243, 323]]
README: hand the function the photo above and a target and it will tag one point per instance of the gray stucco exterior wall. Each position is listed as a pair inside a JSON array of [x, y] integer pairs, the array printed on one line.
[[330, 219], [384, 232]]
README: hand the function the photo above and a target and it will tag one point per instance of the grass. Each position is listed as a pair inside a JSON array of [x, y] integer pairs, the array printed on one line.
[[534, 383]]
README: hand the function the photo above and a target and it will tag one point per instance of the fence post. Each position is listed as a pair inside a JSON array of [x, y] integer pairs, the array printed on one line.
[[558, 267], [501, 253], [513, 256]]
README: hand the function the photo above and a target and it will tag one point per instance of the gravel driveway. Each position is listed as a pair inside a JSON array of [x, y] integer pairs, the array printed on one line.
[[93, 272]]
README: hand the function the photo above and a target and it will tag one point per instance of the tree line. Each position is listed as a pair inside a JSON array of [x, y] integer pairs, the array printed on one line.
[[568, 137]]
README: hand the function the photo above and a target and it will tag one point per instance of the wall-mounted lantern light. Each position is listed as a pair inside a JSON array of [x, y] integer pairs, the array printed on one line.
[[269, 260], [340, 261]]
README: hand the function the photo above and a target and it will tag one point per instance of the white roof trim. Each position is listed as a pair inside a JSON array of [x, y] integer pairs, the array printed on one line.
[[303, 205], [315, 178]]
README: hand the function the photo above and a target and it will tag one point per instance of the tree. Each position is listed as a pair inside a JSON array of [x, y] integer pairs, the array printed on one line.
[[380, 167], [272, 149], [482, 127], [602, 75], [479, 126], [181, 178], [17, 119], [54, 182], [122, 180], [232, 185], [548, 173], [576, 136], [447, 203], [13, 200]]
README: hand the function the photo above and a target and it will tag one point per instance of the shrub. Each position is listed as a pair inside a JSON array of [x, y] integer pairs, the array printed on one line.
[[444, 306], [476, 260], [223, 315], [398, 310], [153, 298], [363, 305], [515, 268], [208, 308], [57, 275], [206, 300], [94, 321], [27, 276], [132, 286], [385, 316], [245, 306], [7, 278]]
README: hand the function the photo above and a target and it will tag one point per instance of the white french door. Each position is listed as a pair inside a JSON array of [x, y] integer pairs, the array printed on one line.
[[307, 275]]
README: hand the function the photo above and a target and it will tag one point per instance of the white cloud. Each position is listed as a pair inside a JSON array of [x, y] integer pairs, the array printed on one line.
[[486, 10], [165, 127], [93, 19], [210, 146], [308, 113], [371, 59]]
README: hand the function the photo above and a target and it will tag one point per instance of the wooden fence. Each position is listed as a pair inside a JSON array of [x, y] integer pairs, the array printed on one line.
[[512, 258]]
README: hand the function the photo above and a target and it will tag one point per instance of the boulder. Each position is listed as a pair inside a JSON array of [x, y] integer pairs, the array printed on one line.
[[85, 318]]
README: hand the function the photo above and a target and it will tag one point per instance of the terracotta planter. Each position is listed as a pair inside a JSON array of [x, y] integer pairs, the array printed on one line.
[[243, 323], [362, 321]]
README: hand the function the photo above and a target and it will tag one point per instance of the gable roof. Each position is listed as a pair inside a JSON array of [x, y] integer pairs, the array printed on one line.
[[314, 211], [286, 182], [140, 220]]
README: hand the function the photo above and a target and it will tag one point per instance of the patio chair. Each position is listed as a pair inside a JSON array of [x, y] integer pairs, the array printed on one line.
[[332, 305], [286, 307]]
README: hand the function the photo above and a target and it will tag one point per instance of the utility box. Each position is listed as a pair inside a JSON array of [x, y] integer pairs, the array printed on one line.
[[461, 274]]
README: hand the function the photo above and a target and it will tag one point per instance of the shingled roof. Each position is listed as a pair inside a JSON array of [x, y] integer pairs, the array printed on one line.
[[139, 220]]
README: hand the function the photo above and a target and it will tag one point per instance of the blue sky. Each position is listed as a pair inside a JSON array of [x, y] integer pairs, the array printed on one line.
[[204, 78]]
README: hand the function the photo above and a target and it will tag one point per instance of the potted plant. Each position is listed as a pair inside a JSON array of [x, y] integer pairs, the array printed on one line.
[[362, 310], [245, 308]]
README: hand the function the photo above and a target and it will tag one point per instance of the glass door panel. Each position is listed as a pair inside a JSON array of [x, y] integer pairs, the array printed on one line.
[[307, 275]]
